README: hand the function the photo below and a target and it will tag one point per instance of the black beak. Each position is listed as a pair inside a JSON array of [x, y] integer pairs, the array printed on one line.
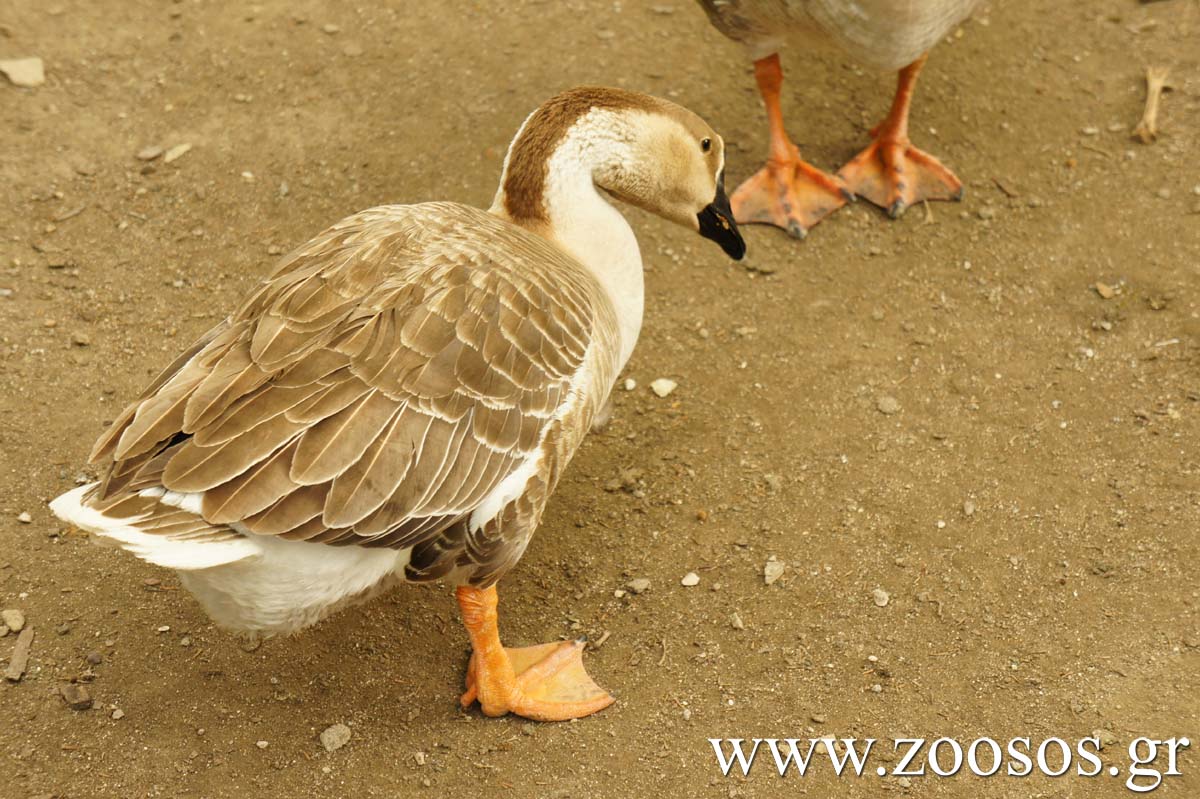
[[716, 223]]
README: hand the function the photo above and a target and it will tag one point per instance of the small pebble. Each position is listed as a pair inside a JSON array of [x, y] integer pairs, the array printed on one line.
[[630, 384], [881, 597], [27, 73], [773, 570], [149, 153], [639, 586], [663, 386], [76, 696], [176, 152], [262, 744], [24, 518], [736, 622], [166, 628], [13, 619], [690, 579], [887, 405], [95, 658], [968, 508], [1105, 291], [118, 714], [335, 737]]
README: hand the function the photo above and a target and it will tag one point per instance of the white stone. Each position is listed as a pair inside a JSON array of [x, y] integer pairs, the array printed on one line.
[[663, 386], [176, 152], [24, 72]]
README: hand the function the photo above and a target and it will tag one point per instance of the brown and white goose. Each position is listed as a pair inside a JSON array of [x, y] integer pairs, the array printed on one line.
[[880, 34], [398, 400]]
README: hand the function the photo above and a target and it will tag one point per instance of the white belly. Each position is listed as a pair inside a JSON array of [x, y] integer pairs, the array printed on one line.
[[292, 584]]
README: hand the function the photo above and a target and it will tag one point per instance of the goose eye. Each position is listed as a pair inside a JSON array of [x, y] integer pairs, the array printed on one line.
[[706, 144]]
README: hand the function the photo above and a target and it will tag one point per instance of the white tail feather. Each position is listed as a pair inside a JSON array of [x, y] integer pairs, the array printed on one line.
[[161, 550]]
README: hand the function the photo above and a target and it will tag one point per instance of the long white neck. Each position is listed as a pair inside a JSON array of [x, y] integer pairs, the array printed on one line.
[[581, 221]]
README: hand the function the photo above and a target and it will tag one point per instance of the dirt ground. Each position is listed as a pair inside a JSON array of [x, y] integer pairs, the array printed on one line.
[[1067, 602]]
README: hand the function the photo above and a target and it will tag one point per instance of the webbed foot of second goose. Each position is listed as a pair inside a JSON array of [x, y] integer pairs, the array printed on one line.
[[791, 194], [893, 174]]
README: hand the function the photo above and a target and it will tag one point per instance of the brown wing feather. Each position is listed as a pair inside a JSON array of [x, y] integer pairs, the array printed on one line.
[[332, 445], [230, 378], [289, 511], [159, 417], [199, 468], [252, 491], [377, 476]]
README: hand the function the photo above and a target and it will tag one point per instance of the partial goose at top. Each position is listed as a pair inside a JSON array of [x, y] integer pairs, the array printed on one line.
[[399, 399], [881, 34]]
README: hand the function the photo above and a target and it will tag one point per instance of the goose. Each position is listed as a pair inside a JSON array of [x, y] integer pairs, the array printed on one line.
[[398, 400], [881, 34]]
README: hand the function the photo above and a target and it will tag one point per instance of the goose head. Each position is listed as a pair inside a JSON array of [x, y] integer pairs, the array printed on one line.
[[639, 149]]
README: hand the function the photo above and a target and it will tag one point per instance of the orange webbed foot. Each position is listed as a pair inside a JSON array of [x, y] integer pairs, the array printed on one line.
[[789, 194], [543, 683], [548, 683], [893, 174]]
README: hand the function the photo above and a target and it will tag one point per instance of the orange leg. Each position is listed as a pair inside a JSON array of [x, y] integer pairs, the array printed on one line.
[[787, 192], [892, 173], [543, 683]]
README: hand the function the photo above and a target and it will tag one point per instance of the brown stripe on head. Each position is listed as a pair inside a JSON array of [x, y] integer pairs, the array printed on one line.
[[529, 156]]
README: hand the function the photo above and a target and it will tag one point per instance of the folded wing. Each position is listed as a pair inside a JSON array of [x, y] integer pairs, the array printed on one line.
[[389, 377]]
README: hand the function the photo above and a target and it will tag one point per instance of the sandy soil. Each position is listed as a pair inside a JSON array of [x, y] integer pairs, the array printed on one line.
[[1067, 602]]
